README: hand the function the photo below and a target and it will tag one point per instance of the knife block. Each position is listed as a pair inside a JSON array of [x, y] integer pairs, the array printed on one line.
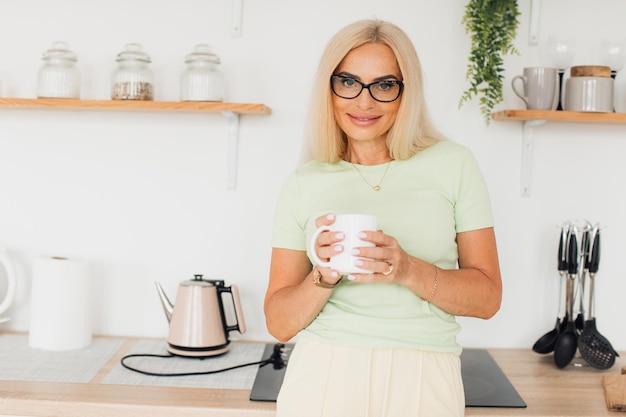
[[615, 391]]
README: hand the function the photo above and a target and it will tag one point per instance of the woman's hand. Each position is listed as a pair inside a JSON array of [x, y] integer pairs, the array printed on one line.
[[388, 261], [385, 259], [326, 246]]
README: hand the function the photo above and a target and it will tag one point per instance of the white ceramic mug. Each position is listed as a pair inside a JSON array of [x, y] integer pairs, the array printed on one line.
[[540, 88], [594, 94], [350, 225]]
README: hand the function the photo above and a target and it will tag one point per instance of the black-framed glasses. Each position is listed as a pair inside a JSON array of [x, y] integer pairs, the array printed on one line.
[[384, 91]]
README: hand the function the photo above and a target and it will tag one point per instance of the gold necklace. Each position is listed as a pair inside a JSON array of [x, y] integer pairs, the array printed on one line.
[[377, 186]]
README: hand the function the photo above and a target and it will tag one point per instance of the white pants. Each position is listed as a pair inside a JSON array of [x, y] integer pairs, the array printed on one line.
[[324, 380]]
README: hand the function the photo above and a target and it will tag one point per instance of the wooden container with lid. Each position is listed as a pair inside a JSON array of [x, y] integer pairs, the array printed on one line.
[[589, 88], [590, 71]]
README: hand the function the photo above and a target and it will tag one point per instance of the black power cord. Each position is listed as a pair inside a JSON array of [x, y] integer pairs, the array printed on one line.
[[276, 359]]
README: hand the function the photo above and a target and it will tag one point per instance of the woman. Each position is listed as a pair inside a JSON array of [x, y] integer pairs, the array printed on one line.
[[379, 344]]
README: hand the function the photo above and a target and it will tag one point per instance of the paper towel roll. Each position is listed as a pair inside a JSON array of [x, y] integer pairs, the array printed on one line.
[[61, 317]]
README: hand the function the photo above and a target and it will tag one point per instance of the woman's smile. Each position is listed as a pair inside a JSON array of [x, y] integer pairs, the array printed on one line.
[[363, 120]]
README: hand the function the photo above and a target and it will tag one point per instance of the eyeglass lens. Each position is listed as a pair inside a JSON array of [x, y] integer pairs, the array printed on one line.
[[385, 90]]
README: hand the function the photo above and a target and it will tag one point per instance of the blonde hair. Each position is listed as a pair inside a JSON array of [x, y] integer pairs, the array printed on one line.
[[412, 130]]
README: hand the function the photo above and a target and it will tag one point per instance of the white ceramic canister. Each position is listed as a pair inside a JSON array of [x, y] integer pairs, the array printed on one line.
[[201, 80], [589, 89]]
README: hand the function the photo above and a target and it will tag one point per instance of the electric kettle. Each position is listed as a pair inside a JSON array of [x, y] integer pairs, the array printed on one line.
[[197, 320], [11, 277]]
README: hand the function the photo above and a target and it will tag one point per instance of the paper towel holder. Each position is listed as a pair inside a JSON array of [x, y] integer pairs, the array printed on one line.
[[61, 317]]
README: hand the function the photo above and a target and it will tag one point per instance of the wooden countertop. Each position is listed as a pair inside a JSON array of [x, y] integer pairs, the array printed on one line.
[[548, 391]]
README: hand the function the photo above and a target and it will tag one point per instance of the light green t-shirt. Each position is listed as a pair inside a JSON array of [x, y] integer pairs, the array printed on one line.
[[423, 202]]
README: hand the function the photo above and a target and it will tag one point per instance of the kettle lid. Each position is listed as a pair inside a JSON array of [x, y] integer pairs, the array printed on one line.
[[197, 281]]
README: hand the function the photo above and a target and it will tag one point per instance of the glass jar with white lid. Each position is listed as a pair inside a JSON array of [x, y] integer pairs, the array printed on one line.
[[58, 77], [133, 78], [201, 80]]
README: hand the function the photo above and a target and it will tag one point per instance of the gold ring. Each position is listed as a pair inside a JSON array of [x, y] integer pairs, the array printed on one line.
[[389, 269]]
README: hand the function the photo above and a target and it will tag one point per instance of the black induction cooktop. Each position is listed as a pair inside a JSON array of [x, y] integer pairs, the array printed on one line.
[[484, 382]]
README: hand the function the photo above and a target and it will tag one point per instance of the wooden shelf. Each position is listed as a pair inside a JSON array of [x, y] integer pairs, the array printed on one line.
[[560, 116], [534, 118], [231, 111], [134, 105]]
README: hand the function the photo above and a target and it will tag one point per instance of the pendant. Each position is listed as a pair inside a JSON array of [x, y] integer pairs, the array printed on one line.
[[376, 188]]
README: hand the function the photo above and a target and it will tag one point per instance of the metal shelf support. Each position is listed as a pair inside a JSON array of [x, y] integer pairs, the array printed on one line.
[[533, 31], [233, 148], [236, 18], [528, 142]]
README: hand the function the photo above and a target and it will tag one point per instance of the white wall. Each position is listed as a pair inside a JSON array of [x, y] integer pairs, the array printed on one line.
[[143, 197]]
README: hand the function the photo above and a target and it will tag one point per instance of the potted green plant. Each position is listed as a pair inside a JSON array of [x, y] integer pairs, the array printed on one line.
[[492, 25]]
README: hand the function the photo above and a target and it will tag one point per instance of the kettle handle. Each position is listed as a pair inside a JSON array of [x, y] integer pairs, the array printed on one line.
[[240, 326], [5, 262]]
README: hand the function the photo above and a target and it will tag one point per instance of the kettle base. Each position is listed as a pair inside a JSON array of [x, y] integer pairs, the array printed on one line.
[[197, 352]]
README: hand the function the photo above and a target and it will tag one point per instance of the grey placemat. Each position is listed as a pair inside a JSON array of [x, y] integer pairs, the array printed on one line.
[[238, 354], [20, 362]]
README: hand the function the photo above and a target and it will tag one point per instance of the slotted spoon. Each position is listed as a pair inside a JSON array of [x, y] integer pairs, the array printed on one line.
[[593, 346]]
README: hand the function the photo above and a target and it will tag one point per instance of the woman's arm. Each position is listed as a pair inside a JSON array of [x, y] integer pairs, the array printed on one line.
[[475, 289], [292, 301]]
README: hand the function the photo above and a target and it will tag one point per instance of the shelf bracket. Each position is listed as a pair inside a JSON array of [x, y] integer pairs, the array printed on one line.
[[236, 10], [528, 142], [533, 31], [233, 148]]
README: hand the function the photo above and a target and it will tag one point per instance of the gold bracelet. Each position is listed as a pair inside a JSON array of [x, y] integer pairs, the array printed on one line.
[[317, 279], [432, 292]]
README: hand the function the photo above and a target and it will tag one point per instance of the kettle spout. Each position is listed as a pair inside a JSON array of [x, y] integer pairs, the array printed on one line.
[[168, 307]]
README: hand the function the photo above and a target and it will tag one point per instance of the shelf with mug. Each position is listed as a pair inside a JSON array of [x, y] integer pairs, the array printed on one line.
[[534, 118], [231, 111], [560, 116]]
